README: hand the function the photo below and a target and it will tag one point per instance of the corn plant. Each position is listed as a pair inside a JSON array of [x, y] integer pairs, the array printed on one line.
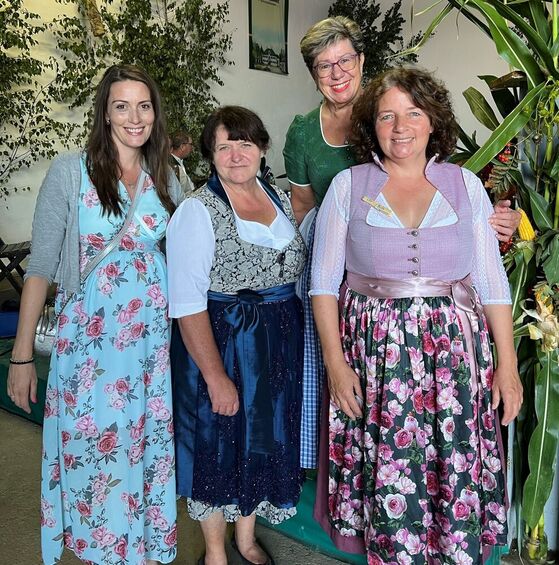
[[521, 158]]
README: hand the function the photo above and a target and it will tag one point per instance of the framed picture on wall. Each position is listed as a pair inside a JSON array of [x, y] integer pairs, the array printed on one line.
[[267, 21]]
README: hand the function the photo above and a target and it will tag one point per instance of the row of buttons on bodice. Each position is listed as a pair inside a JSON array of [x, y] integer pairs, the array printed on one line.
[[415, 259]]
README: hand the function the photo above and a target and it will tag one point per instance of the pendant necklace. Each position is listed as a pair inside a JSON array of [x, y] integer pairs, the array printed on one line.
[[130, 185]]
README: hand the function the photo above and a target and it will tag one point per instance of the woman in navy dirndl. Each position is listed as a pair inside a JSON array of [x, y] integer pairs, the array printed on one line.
[[234, 253]]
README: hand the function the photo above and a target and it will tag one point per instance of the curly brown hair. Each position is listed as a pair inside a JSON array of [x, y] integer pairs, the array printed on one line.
[[427, 93]]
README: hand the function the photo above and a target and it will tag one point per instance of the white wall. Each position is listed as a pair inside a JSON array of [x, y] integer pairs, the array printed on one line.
[[457, 59], [275, 98]]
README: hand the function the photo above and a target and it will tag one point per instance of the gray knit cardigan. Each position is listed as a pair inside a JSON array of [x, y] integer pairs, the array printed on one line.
[[55, 233]]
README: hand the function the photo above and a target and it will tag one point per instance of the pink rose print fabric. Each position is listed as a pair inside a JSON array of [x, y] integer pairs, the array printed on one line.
[[420, 475], [108, 491]]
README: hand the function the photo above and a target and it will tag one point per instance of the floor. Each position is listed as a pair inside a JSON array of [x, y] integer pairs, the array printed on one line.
[[20, 464], [20, 469], [20, 453]]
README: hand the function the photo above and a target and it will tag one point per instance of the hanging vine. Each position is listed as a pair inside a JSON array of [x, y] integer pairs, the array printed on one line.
[[28, 129]]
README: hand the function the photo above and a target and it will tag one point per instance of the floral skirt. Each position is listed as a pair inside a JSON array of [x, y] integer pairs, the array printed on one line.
[[108, 466], [420, 476]]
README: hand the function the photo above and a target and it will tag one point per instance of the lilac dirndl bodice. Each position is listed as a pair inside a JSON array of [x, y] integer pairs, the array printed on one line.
[[443, 253]]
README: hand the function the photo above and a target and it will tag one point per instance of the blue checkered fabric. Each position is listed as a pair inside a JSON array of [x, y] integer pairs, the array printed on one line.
[[313, 370]]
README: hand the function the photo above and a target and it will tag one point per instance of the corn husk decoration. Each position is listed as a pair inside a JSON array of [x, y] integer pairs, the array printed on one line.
[[547, 327], [94, 17]]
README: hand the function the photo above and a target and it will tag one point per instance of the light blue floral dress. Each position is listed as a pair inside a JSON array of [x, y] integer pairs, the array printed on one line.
[[108, 482]]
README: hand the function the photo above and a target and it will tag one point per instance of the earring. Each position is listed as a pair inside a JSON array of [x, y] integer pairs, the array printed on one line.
[[108, 121]]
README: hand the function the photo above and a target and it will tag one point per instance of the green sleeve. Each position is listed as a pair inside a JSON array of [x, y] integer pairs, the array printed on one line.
[[294, 153]]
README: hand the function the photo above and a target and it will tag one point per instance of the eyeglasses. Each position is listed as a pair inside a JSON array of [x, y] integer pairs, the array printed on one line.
[[346, 63]]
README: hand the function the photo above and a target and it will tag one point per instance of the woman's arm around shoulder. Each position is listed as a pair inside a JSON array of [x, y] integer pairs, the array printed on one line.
[[504, 220]]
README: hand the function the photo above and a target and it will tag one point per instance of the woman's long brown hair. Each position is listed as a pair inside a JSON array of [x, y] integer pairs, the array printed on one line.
[[101, 152]]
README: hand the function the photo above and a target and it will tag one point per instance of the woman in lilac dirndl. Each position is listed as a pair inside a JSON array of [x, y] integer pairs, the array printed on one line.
[[317, 147], [414, 465]]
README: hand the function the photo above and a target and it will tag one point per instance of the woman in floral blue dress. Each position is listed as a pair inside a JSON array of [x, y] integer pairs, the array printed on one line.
[[412, 465], [108, 489]]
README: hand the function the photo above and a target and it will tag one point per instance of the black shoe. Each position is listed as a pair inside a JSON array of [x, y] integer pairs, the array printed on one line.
[[244, 560]]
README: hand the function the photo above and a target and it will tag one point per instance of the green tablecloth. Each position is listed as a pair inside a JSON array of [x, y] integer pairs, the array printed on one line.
[[303, 528], [42, 365]]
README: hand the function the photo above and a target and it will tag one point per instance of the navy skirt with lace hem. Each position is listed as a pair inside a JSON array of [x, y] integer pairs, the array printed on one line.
[[248, 462]]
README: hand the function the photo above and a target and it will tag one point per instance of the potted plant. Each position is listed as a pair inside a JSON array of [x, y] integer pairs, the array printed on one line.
[[521, 159]]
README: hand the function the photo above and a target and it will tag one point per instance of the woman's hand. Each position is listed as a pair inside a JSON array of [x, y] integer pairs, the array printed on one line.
[[302, 200], [22, 379], [507, 389], [345, 390], [22, 385], [505, 220], [343, 383], [198, 338], [224, 396]]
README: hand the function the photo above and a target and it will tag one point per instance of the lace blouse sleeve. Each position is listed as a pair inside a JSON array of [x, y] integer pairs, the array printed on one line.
[[488, 273], [328, 260]]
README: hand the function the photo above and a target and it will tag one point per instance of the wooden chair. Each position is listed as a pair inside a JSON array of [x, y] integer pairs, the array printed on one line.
[[11, 256]]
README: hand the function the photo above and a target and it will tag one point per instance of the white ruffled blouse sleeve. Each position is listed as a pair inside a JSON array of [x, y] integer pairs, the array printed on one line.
[[328, 260], [190, 252]]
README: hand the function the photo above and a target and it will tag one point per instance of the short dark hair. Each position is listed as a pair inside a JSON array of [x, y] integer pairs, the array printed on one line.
[[427, 93], [241, 123], [179, 138]]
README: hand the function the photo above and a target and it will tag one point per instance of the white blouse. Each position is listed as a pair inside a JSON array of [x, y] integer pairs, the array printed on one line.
[[488, 274], [191, 247]]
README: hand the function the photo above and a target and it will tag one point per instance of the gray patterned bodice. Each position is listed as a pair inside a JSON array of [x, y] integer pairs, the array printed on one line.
[[238, 264]]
